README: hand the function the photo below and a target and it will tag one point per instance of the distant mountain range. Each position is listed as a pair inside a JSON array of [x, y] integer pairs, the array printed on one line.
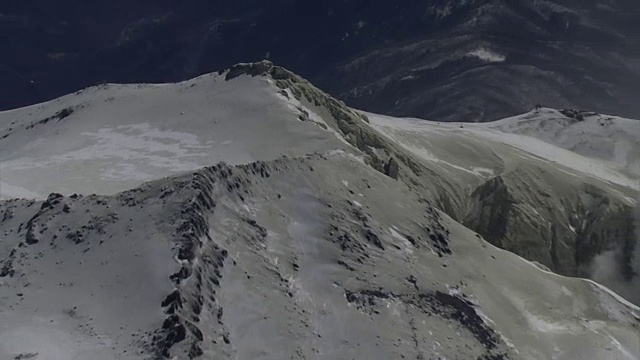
[[467, 60]]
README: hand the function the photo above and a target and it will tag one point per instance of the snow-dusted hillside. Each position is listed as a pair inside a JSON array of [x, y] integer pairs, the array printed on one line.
[[328, 233], [321, 257], [609, 152], [110, 138], [550, 188], [610, 138]]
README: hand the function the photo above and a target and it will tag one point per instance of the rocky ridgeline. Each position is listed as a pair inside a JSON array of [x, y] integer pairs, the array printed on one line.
[[381, 154], [202, 260], [496, 209]]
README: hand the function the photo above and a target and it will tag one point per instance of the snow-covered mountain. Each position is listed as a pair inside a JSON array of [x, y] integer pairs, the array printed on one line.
[[247, 214], [110, 138], [544, 185], [604, 137]]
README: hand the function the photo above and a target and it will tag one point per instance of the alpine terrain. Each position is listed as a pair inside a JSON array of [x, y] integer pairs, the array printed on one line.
[[246, 214]]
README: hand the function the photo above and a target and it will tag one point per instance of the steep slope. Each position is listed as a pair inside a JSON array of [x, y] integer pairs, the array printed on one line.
[[302, 258], [303, 251], [538, 200], [435, 59]]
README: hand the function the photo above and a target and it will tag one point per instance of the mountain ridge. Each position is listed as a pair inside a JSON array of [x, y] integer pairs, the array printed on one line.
[[334, 218], [204, 319]]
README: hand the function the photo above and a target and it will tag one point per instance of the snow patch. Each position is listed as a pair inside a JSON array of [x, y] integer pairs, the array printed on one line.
[[427, 155], [340, 152], [407, 244], [487, 55]]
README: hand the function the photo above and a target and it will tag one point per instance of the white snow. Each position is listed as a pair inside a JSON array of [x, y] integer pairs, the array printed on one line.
[[119, 136], [427, 155], [482, 171], [609, 138], [408, 247], [401, 129], [566, 158], [487, 55], [170, 150]]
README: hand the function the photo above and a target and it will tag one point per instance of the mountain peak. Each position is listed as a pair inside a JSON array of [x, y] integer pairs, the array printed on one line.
[[251, 196]]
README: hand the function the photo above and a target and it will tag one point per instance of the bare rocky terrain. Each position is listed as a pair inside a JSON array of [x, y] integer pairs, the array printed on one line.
[[247, 214]]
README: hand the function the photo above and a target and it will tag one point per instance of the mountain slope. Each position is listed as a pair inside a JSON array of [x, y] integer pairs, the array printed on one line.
[[554, 205], [473, 60], [286, 253], [121, 136], [358, 224], [539, 200], [603, 137]]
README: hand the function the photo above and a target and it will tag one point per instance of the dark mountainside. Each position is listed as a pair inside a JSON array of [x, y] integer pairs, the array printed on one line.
[[470, 60]]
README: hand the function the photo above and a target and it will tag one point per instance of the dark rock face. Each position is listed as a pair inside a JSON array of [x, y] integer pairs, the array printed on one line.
[[495, 206], [455, 308], [442, 60], [577, 227], [391, 169]]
